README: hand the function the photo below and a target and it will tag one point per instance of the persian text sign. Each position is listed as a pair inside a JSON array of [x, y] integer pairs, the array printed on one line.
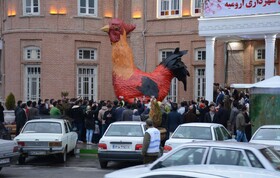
[[219, 8]]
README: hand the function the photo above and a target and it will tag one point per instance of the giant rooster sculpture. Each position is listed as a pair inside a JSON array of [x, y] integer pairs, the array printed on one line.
[[128, 80]]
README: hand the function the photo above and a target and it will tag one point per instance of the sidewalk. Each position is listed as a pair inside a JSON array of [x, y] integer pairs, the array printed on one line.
[[84, 148]]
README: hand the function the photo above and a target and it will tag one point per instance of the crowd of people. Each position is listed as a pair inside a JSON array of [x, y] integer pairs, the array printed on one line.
[[91, 118]]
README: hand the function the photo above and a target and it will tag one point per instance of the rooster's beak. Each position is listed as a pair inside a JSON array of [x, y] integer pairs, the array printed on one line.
[[105, 28]]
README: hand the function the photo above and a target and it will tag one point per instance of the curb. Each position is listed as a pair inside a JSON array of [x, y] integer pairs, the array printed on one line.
[[88, 151]]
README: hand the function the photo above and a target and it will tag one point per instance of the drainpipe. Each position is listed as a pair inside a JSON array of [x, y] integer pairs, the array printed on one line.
[[143, 34], [116, 5], [226, 62]]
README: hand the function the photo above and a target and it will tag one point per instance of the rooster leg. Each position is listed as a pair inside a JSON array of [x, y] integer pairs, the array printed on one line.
[[148, 87]]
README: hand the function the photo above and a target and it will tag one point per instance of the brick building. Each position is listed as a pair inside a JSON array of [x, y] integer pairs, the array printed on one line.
[[50, 46]]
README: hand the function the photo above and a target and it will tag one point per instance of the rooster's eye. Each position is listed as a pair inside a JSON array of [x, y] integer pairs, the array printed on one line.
[[117, 28]]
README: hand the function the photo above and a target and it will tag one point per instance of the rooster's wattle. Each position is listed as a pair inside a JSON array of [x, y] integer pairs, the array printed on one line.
[[128, 80]]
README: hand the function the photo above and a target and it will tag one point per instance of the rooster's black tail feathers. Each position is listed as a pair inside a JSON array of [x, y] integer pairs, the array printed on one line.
[[178, 68]]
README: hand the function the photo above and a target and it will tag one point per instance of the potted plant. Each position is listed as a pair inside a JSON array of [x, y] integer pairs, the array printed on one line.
[[9, 113]]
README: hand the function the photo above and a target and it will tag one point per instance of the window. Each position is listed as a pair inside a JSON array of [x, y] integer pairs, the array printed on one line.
[[86, 54], [260, 53], [225, 133], [32, 53], [87, 8], [259, 74], [31, 7], [87, 83], [253, 159], [173, 92], [200, 54], [185, 156], [196, 7], [200, 82], [169, 8], [33, 77], [228, 157]]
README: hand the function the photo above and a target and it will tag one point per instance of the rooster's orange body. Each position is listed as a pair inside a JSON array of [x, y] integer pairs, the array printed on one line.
[[129, 81]]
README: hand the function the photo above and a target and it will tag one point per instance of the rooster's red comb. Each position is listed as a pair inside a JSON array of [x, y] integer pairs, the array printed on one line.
[[127, 27]]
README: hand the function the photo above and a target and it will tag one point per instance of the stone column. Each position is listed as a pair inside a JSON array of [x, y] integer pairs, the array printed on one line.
[[210, 44], [269, 55]]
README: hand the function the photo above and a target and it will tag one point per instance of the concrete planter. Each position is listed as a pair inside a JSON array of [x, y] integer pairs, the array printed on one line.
[[9, 116]]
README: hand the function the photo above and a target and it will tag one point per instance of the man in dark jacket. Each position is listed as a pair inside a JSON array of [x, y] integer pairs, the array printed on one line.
[[20, 117], [222, 115], [108, 117], [1, 113], [174, 119], [189, 116], [77, 114], [211, 116]]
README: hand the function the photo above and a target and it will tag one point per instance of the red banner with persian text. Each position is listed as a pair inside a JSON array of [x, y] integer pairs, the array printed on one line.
[[220, 8]]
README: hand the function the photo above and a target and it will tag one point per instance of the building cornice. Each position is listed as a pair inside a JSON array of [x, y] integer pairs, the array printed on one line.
[[240, 25]]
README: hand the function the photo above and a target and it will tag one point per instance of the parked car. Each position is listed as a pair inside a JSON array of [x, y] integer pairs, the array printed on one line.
[[8, 152], [268, 134], [209, 153], [4, 132], [210, 171], [191, 132], [122, 141], [41, 137]]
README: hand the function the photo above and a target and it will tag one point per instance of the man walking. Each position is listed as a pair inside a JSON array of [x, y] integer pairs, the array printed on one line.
[[240, 125], [151, 143]]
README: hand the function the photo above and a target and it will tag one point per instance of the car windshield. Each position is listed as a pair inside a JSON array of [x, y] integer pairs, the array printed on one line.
[[267, 134], [42, 127], [125, 130], [193, 132], [272, 156]]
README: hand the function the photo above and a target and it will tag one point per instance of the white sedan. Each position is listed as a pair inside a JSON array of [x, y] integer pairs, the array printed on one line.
[[122, 141], [191, 132], [268, 134], [41, 137], [209, 153], [8, 152], [210, 171]]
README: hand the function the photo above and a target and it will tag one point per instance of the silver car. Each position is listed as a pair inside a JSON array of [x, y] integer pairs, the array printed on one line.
[[210, 153], [8, 152], [122, 141], [210, 171], [268, 134], [191, 132]]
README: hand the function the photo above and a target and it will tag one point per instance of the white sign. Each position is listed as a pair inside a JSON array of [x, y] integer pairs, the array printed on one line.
[[220, 8]]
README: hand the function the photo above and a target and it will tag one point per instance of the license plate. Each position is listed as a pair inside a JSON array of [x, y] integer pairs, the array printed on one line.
[[4, 161], [121, 147], [37, 153]]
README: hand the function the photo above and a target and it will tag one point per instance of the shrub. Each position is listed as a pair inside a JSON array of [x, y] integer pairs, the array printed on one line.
[[10, 102]]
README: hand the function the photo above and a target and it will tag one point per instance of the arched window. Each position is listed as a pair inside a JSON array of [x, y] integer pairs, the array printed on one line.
[[173, 92]]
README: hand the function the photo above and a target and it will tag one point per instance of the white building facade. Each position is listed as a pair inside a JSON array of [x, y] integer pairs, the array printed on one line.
[[240, 21]]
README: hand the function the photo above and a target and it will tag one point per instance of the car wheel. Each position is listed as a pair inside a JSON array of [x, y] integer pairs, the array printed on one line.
[[21, 160], [63, 156], [103, 164], [72, 152]]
